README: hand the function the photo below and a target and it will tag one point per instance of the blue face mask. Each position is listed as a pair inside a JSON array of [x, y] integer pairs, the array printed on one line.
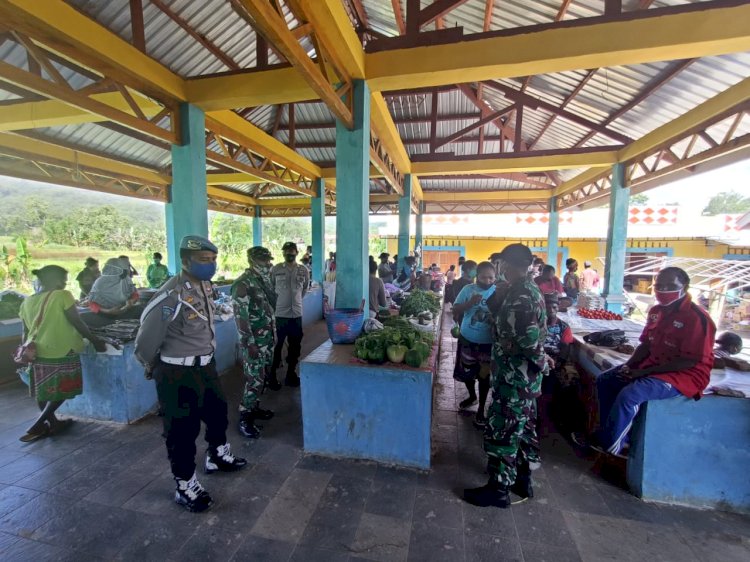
[[202, 271]]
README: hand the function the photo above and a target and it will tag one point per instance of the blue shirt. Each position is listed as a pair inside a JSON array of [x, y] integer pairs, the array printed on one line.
[[476, 324]]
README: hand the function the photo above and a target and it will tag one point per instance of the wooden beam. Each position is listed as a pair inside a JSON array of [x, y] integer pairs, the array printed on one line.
[[73, 35], [438, 9], [39, 85], [398, 13], [54, 113], [136, 25], [225, 59], [695, 30], [516, 162], [533, 102], [34, 149], [275, 30], [480, 123]]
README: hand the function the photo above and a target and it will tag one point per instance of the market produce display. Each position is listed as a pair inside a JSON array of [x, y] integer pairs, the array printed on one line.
[[598, 314], [397, 342], [10, 304], [420, 301]]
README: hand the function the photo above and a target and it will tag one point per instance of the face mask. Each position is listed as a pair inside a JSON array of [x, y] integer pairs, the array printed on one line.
[[262, 269], [472, 273], [289, 258], [202, 271], [665, 298]]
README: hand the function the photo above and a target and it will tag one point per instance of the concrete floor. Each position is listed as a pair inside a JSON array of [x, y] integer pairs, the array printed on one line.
[[103, 492]]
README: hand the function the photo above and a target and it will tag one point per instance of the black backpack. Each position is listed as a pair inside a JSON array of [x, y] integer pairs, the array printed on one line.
[[606, 338]]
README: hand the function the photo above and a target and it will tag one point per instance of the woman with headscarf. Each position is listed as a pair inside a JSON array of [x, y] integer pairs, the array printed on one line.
[[51, 321], [114, 293]]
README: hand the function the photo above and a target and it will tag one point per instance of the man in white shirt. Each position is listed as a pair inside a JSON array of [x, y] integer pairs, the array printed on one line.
[[589, 278]]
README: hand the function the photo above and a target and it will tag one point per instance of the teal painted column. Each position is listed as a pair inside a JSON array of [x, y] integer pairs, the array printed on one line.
[[617, 239], [404, 222], [318, 211], [553, 229], [418, 237], [186, 211], [257, 227], [353, 203]]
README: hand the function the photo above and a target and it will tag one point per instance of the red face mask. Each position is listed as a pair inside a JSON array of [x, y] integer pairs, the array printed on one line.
[[665, 298]]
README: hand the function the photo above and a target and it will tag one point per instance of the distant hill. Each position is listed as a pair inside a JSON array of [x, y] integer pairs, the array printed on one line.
[[65, 200]]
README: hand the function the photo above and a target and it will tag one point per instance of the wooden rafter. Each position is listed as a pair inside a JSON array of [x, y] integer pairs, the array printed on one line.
[[200, 38], [273, 26], [137, 29], [58, 89], [497, 115], [398, 12]]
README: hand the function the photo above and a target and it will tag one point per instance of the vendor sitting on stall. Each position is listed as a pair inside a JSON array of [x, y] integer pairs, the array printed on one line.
[[558, 388], [407, 277], [674, 358], [114, 293], [728, 344], [549, 283], [474, 351]]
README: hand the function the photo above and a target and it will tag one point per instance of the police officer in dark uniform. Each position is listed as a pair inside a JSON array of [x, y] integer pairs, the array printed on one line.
[[176, 344]]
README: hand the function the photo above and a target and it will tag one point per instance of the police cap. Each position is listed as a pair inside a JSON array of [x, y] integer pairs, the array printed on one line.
[[518, 255], [289, 246], [551, 298], [197, 244], [259, 253]]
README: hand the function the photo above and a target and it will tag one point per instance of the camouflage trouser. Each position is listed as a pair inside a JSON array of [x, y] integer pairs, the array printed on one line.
[[510, 439], [254, 369]]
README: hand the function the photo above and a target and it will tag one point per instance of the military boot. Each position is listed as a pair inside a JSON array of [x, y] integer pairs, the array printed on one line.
[[491, 494], [522, 486], [261, 414], [222, 459], [192, 495], [247, 425]]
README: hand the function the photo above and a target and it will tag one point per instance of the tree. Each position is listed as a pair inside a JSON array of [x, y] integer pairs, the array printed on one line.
[[727, 202], [639, 200]]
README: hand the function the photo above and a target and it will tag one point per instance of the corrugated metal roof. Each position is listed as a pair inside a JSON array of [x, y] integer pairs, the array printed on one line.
[[171, 45], [604, 94], [471, 184], [95, 137]]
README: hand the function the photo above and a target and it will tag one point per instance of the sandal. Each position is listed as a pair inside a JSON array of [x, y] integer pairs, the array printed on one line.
[[36, 436]]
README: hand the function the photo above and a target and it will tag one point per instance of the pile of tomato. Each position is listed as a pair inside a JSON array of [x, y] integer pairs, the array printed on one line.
[[598, 314]]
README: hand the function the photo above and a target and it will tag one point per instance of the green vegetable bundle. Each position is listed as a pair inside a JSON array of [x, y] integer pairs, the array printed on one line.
[[420, 301], [10, 304], [397, 342]]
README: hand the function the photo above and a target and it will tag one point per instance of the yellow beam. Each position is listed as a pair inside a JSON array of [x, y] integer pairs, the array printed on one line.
[[273, 26], [385, 129], [53, 113], [702, 33], [334, 29], [514, 196], [249, 89], [47, 152], [291, 202], [214, 178], [510, 196], [329, 174], [512, 163], [671, 131], [233, 127], [73, 35], [231, 195]]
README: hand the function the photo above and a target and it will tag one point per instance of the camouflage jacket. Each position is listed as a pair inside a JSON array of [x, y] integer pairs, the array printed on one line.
[[520, 331], [254, 305]]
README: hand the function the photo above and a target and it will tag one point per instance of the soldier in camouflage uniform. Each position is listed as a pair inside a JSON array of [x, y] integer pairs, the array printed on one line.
[[518, 365], [254, 305]]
